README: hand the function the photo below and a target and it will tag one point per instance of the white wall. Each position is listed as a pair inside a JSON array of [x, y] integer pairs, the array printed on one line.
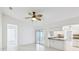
[[70, 21], [0, 31], [46, 40], [26, 34], [57, 26]]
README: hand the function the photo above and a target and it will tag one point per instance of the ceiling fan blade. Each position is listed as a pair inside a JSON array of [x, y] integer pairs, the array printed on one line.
[[30, 13], [38, 19], [39, 15], [28, 17]]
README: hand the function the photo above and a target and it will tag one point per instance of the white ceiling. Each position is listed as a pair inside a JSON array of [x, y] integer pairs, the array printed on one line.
[[51, 15]]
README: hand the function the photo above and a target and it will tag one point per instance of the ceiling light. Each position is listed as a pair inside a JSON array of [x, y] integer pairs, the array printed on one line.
[[34, 19]]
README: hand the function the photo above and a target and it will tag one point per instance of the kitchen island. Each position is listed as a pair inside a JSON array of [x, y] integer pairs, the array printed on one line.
[[57, 43]]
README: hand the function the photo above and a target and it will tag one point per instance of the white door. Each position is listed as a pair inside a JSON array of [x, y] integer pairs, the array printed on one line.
[[11, 37]]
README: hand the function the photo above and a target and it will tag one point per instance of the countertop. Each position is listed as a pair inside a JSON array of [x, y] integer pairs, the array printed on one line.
[[60, 39]]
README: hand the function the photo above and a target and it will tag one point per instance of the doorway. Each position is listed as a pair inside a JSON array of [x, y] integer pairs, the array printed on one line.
[[11, 37], [39, 37]]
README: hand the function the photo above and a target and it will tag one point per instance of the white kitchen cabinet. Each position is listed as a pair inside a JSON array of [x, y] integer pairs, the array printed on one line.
[[76, 42], [57, 44]]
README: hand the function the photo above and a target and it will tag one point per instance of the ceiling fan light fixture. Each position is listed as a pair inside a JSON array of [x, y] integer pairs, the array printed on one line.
[[34, 19]]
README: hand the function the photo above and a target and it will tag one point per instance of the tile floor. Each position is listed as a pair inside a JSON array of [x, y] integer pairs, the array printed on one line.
[[35, 47]]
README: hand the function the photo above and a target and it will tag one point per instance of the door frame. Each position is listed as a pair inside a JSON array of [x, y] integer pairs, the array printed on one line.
[[16, 32]]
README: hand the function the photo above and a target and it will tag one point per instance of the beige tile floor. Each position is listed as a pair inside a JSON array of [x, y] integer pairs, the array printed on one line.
[[35, 47]]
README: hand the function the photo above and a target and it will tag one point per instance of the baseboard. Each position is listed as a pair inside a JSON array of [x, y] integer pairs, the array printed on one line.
[[26, 44]]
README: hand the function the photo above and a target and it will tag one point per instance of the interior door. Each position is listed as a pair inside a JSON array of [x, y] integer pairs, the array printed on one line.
[[11, 37]]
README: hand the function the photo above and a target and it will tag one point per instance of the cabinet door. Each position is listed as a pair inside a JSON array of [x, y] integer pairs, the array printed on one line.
[[51, 43], [76, 43], [57, 44]]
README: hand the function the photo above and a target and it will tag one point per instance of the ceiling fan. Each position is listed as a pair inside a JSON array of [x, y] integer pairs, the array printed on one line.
[[34, 16]]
